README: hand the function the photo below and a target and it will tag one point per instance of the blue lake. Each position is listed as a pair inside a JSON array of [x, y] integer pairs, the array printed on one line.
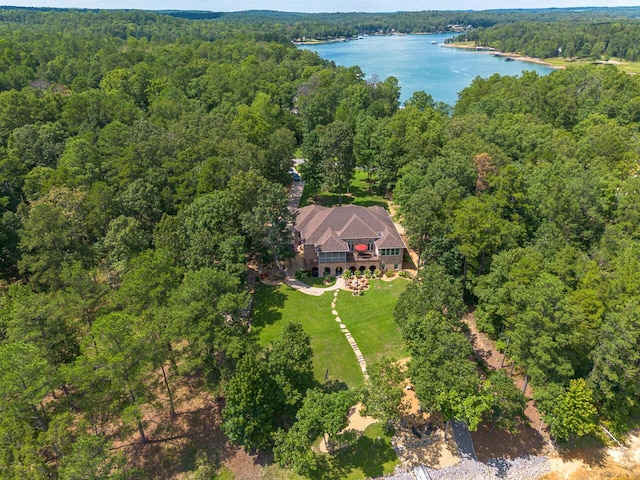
[[420, 65]]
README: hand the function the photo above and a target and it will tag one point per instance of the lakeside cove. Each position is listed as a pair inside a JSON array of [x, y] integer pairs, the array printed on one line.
[[555, 63], [419, 64], [343, 39]]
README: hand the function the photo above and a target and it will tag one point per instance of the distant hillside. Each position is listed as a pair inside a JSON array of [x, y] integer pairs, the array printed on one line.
[[192, 14], [332, 25]]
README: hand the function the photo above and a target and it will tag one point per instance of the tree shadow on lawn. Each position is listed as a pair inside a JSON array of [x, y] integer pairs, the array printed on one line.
[[268, 305], [371, 203], [356, 196], [367, 454], [359, 192]]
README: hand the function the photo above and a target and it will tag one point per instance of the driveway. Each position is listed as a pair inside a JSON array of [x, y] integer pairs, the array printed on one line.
[[295, 194], [297, 188]]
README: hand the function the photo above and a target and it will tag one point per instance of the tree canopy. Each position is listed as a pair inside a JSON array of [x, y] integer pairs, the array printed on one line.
[[143, 167]]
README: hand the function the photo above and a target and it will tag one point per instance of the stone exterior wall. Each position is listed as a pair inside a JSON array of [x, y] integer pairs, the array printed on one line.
[[332, 266], [391, 261], [310, 257]]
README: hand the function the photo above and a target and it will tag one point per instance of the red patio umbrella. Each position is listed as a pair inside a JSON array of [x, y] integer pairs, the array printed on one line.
[[361, 247]]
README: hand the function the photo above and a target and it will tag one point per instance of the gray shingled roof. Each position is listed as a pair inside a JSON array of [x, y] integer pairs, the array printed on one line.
[[329, 242], [357, 228], [328, 228]]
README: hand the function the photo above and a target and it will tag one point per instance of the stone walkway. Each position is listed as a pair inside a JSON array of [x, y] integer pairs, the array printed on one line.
[[315, 291], [294, 200], [349, 337]]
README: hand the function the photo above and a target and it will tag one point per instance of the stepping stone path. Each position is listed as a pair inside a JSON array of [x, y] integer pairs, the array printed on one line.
[[350, 339]]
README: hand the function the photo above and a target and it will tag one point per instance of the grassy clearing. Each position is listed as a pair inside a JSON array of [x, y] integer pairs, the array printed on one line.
[[469, 44], [359, 194], [274, 472], [562, 62], [627, 67], [224, 474], [369, 318], [371, 456], [275, 306]]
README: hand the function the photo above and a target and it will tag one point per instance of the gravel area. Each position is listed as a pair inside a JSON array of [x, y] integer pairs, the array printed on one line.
[[524, 468], [400, 474]]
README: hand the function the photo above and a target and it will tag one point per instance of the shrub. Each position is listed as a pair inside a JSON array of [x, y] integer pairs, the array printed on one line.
[[347, 275], [377, 273], [329, 280], [302, 274]]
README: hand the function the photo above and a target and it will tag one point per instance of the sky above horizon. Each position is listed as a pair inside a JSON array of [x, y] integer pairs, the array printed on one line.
[[319, 5]]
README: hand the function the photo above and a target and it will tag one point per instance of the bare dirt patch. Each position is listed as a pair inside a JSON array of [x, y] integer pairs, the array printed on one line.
[[358, 422], [244, 465], [486, 352], [594, 462], [598, 463], [191, 442], [420, 438], [181, 444], [494, 443]]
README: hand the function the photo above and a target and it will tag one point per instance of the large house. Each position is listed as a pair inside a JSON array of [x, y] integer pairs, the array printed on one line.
[[349, 237]]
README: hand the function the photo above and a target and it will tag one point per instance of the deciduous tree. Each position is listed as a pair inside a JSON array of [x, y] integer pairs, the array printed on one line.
[[574, 413], [384, 393]]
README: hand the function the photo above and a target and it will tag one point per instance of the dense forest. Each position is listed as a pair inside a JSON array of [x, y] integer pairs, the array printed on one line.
[[529, 200], [593, 33], [332, 25], [144, 163], [597, 40]]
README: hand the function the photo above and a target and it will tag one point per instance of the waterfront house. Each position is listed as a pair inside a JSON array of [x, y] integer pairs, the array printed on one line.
[[349, 237]]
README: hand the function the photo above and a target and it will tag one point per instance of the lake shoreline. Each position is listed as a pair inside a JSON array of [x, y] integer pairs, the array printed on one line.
[[418, 64], [514, 56], [353, 39]]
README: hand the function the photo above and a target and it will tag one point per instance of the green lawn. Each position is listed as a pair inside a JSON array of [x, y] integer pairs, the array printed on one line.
[[274, 307], [371, 456], [319, 282], [628, 67], [359, 194], [369, 318]]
